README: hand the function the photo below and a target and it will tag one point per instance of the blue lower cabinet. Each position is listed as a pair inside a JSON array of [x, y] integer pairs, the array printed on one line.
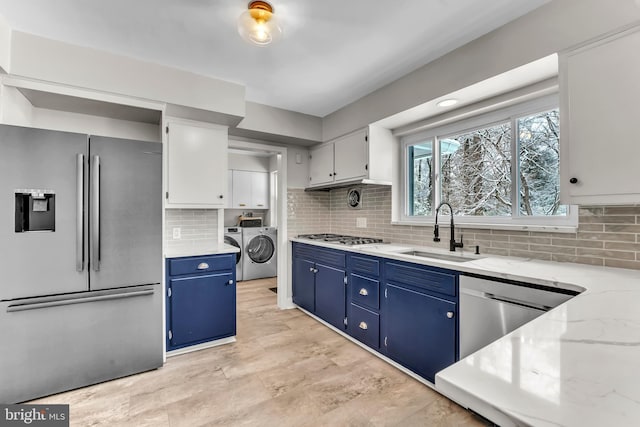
[[364, 325], [331, 295], [201, 302], [420, 330], [304, 284]]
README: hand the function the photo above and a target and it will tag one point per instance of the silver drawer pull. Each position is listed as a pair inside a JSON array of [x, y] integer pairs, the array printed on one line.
[[203, 266], [363, 325], [363, 292], [449, 314], [230, 282]]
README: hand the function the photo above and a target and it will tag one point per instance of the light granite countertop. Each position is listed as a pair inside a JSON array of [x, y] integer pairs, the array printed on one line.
[[198, 249], [576, 365]]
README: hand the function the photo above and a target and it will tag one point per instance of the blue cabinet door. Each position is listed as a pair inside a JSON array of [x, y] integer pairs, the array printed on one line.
[[202, 308], [331, 295], [303, 283], [420, 330]]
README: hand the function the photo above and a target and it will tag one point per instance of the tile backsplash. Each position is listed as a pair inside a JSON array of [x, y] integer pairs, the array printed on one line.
[[196, 226], [606, 236]]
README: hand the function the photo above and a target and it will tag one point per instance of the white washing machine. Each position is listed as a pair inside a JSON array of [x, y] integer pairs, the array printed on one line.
[[259, 251], [233, 237]]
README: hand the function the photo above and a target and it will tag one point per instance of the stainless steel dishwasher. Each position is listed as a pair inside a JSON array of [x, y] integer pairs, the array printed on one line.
[[491, 308]]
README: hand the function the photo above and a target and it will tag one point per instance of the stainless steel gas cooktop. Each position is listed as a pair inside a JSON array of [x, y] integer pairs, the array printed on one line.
[[340, 238]]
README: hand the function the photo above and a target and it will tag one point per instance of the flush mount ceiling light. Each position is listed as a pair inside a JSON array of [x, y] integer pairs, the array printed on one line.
[[447, 102], [258, 24]]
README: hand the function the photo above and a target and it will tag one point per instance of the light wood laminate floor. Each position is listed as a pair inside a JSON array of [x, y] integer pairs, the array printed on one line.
[[285, 369]]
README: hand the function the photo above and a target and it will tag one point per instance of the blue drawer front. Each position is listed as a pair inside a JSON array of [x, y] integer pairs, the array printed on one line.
[[364, 325], [201, 264], [365, 291], [368, 266], [421, 277], [320, 255]]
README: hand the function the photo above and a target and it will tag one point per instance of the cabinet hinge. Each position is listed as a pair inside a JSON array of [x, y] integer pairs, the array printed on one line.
[[166, 195], [366, 138], [366, 167], [346, 322], [345, 280], [385, 341], [167, 129], [170, 334], [169, 293]]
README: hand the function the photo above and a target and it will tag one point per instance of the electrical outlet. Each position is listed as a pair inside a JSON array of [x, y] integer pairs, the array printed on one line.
[[361, 222], [177, 233]]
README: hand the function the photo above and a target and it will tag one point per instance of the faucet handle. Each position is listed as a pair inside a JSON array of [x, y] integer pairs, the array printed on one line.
[[436, 233]]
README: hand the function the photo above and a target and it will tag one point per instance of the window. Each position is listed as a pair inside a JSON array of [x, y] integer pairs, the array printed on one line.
[[497, 168]]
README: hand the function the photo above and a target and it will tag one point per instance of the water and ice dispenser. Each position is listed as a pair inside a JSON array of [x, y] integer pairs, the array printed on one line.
[[35, 210]]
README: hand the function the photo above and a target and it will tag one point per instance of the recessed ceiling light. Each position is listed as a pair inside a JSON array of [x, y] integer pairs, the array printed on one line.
[[447, 102]]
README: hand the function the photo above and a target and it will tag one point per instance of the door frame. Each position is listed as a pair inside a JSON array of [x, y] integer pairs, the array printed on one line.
[[283, 249]]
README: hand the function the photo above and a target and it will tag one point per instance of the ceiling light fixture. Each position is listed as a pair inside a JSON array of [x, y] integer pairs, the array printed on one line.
[[447, 102], [258, 24]]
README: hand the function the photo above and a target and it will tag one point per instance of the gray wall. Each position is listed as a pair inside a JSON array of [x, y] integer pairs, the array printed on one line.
[[552, 28]]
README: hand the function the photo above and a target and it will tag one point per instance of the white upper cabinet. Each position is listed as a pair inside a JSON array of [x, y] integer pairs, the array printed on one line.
[[600, 146], [250, 190], [196, 173], [321, 164], [365, 155]]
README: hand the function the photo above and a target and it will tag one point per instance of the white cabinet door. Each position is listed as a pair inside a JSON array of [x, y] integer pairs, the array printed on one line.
[[260, 190], [600, 93], [242, 193], [351, 154], [321, 165], [196, 165]]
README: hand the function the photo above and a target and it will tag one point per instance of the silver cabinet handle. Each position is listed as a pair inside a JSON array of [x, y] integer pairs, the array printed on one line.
[[230, 282], [363, 292], [203, 266], [56, 301], [80, 212], [95, 213], [363, 326], [449, 314], [311, 269]]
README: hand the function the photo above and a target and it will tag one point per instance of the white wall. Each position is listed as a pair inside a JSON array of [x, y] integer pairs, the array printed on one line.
[[248, 162], [260, 121], [552, 28], [297, 173], [16, 110]]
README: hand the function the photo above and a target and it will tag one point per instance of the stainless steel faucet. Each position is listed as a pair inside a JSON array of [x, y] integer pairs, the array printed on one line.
[[436, 233]]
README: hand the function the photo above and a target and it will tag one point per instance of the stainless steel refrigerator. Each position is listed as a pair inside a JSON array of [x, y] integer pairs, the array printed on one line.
[[80, 258]]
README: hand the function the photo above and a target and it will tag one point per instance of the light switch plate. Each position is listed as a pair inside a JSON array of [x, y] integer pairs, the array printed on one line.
[[177, 233], [361, 222]]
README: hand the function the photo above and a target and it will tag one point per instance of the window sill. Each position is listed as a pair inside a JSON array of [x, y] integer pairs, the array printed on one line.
[[444, 223]]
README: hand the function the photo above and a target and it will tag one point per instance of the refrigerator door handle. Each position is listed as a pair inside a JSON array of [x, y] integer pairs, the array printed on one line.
[[80, 212], [95, 213], [56, 302]]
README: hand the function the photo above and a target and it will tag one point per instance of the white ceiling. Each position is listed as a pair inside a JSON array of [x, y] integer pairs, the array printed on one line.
[[332, 53]]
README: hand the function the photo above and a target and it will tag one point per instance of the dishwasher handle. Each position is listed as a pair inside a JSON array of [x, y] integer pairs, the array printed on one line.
[[506, 300]]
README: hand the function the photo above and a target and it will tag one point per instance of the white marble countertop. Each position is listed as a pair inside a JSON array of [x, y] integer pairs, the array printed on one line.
[[576, 365], [200, 248]]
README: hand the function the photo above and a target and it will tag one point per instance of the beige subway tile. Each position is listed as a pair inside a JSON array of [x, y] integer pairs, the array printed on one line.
[[635, 265], [622, 210], [530, 239], [553, 249], [553, 234], [613, 237], [495, 251], [608, 219], [621, 228], [509, 245], [590, 228], [607, 253], [529, 254], [492, 237], [590, 211], [622, 246], [577, 243], [577, 259]]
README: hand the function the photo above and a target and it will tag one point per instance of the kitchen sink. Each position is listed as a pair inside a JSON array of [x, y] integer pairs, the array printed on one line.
[[443, 257]]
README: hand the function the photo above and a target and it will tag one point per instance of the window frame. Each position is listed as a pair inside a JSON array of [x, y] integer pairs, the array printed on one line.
[[511, 114]]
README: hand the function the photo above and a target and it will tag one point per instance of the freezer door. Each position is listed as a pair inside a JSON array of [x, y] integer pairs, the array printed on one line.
[[37, 263], [64, 342], [125, 220]]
